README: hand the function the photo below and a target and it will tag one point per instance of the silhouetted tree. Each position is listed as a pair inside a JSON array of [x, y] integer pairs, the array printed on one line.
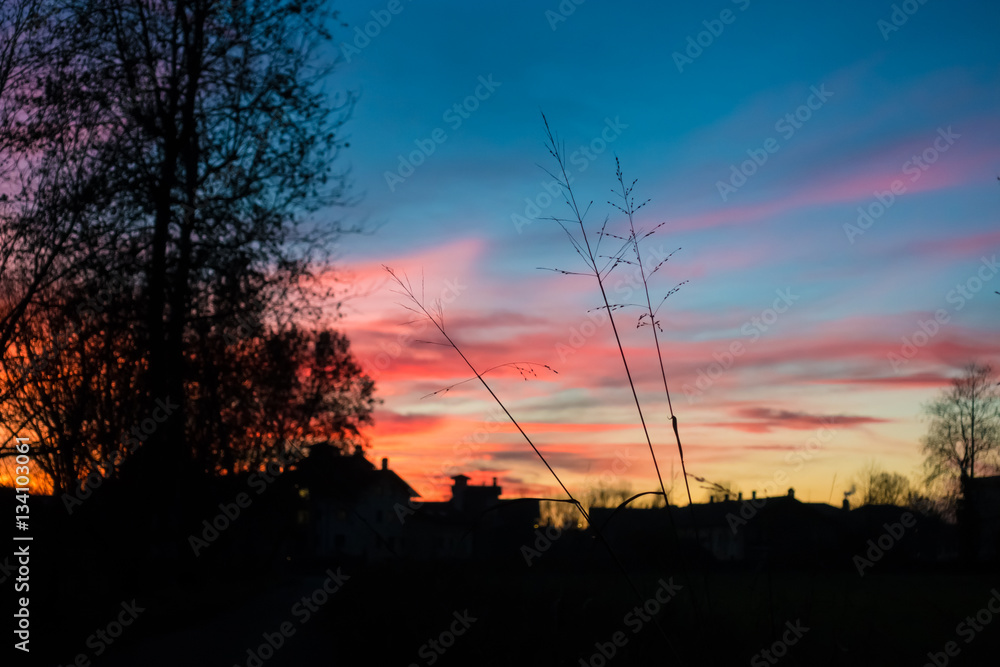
[[607, 494], [45, 179], [602, 494], [880, 487], [254, 399], [963, 439], [251, 399], [208, 146], [165, 244], [82, 396]]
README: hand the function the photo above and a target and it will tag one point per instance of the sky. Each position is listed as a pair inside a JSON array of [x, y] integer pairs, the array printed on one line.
[[827, 170]]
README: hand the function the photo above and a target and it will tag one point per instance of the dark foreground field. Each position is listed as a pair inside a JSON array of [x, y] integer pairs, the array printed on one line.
[[554, 615]]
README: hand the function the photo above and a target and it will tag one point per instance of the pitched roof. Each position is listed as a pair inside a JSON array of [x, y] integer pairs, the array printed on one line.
[[329, 472]]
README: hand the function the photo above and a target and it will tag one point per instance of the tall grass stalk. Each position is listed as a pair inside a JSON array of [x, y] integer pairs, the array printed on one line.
[[628, 208], [590, 255], [421, 309]]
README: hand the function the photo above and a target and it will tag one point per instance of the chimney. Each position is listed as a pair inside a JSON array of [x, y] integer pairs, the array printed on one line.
[[791, 492], [494, 481], [754, 496], [727, 498], [711, 499], [741, 495], [458, 491], [385, 463], [846, 505]]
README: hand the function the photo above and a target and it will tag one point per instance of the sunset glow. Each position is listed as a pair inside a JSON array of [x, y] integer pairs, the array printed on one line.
[[875, 213]]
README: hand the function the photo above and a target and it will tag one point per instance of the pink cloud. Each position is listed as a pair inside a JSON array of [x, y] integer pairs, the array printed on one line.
[[764, 420], [867, 174]]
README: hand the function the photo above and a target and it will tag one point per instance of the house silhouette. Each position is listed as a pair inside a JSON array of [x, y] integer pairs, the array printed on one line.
[[779, 530], [346, 508], [345, 505], [473, 523], [979, 519]]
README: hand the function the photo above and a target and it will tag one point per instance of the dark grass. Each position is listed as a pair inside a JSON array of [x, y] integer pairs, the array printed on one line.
[[554, 615], [433, 313]]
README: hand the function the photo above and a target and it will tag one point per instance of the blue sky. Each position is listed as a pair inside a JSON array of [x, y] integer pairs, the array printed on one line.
[[887, 97]]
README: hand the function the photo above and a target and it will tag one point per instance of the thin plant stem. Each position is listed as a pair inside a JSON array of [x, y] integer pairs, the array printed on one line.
[[628, 208], [592, 261], [422, 309], [586, 251]]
